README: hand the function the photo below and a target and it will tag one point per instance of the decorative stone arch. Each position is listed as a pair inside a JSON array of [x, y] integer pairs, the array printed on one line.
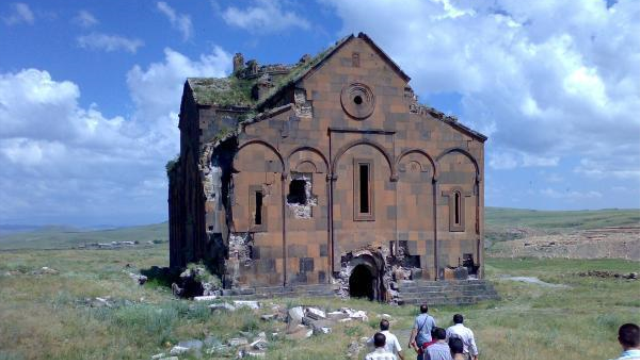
[[310, 149], [434, 165], [283, 167], [392, 168], [373, 264], [465, 153]]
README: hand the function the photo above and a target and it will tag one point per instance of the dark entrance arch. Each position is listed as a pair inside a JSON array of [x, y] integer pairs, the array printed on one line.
[[361, 283]]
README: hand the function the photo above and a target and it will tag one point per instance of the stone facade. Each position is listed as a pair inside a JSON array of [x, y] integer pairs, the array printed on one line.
[[326, 171]]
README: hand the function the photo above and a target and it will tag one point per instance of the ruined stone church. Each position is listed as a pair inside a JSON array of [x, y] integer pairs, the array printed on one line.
[[327, 173]]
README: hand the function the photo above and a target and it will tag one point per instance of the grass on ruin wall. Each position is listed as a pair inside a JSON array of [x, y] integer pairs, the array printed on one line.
[[46, 316]]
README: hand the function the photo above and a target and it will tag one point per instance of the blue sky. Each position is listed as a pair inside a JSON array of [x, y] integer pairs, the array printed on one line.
[[90, 91]]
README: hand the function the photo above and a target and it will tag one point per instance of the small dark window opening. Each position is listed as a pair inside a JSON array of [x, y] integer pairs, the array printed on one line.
[[364, 188], [297, 192], [457, 208], [357, 100], [355, 59], [258, 215]]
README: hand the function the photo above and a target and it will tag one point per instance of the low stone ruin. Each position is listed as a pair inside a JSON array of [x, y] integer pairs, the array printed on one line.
[[196, 281]]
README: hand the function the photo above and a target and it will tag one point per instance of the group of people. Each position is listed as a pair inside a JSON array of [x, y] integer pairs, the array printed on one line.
[[458, 343], [429, 341]]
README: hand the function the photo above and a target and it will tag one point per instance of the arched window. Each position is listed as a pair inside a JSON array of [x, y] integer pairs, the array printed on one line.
[[456, 210]]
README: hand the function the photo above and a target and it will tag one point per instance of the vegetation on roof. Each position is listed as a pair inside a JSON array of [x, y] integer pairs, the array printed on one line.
[[299, 71], [172, 165], [223, 92]]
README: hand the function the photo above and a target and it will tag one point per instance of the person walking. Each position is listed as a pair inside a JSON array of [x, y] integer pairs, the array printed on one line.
[[465, 334], [440, 349], [457, 348], [629, 339], [380, 353], [421, 332], [392, 344]]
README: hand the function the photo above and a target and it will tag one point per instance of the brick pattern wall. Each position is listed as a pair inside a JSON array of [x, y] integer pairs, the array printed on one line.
[[416, 161]]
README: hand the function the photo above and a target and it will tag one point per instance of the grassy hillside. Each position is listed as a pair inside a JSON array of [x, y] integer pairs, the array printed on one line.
[[59, 237], [497, 221], [503, 218]]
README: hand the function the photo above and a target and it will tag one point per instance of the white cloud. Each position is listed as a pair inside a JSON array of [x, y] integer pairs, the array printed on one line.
[[85, 19], [109, 43], [265, 16], [180, 22], [544, 79], [21, 14], [571, 195], [505, 160], [62, 162]]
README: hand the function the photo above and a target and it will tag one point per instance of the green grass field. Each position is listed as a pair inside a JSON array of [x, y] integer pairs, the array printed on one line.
[[62, 238], [46, 316], [502, 218], [497, 221]]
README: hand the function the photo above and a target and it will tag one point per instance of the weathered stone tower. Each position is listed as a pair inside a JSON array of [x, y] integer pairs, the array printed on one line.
[[326, 171]]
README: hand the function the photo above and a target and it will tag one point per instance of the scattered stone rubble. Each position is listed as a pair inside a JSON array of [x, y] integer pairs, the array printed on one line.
[[196, 281], [608, 275], [298, 322]]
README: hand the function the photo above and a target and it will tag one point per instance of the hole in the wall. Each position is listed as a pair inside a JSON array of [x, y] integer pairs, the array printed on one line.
[[357, 100], [361, 283], [297, 192]]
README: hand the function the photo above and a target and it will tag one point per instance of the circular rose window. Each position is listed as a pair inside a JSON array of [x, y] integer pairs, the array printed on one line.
[[357, 101]]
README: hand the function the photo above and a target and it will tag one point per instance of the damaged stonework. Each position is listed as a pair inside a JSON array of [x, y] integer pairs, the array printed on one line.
[[300, 200], [302, 107], [382, 270], [239, 255], [211, 175]]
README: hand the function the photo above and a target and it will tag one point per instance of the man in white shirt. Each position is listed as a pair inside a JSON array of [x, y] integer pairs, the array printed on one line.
[[629, 338], [465, 334], [392, 344], [380, 353]]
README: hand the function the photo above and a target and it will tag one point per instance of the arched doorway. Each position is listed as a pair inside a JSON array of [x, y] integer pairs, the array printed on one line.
[[361, 283]]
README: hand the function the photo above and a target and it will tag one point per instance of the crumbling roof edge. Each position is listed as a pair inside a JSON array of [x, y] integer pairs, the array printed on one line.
[[266, 114], [453, 122], [319, 62]]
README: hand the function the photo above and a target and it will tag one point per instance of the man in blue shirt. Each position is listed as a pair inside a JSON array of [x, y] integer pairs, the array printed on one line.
[[421, 332], [629, 338]]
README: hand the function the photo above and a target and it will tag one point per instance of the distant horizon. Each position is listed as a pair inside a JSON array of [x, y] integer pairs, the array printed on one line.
[[107, 226]]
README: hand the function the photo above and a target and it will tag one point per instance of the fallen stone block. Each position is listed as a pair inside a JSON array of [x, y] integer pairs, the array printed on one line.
[[337, 315], [222, 306], [238, 341], [359, 315], [205, 298], [315, 313], [260, 344], [296, 314], [178, 350], [253, 305]]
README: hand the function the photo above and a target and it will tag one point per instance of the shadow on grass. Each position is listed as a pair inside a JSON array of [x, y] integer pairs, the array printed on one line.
[[161, 276]]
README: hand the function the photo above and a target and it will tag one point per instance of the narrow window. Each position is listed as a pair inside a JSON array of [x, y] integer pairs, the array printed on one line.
[[355, 59], [457, 208], [258, 216], [364, 188]]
